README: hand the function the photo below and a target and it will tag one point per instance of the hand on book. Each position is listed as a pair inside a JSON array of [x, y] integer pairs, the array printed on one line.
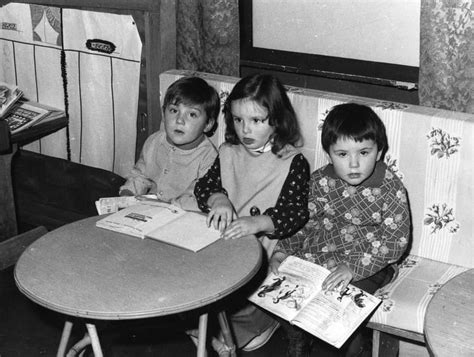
[[247, 225], [222, 212], [340, 277], [275, 261]]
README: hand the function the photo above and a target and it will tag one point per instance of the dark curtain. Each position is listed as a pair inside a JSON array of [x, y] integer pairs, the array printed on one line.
[[447, 55], [207, 34]]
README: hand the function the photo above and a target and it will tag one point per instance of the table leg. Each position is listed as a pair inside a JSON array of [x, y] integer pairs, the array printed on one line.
[[94, 340], [202, 335], [226, 333], [64, 338], [79, 346]]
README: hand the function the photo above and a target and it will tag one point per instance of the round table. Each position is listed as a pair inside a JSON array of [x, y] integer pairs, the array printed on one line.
[[449, 321], [84, 271]]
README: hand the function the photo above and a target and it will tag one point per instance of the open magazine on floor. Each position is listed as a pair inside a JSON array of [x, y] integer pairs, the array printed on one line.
[[296, 296], [163, 222]]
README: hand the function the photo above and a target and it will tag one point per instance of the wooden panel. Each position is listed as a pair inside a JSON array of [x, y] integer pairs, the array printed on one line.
[[409, 335], [8, 226], [145, 5], [4, 136]]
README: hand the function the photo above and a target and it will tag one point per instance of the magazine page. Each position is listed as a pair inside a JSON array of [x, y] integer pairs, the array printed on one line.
[[296, 295], [190, 232], [23, 115], [9, 94], [334, 315], [138, 220], [106, 205], [53, 112], [288, 293]]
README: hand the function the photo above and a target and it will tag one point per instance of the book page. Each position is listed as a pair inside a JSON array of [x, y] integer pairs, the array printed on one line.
[[106, 205], [138, 220], [9, 94], [24, 115], [334, 316], [190, 231], [287, 294], [296, 295]]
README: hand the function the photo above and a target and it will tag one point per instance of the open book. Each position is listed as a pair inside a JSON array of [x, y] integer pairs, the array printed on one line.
[[163, 222], [9, 94], [296, 295]]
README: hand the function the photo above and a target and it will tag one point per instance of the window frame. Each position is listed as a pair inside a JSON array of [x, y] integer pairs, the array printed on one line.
[[379, 73]]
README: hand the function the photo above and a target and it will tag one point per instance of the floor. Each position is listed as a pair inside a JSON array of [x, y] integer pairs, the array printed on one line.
[[27, 329]]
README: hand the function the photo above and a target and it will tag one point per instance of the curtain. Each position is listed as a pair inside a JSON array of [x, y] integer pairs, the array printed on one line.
[[207, 36], [447, 55]]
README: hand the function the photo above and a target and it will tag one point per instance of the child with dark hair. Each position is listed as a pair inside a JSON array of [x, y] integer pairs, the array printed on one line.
[[359, 214], [258, 184], [172, 160]]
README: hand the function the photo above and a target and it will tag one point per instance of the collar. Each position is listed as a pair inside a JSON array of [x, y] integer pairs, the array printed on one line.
[[265, 148], [374, 180]]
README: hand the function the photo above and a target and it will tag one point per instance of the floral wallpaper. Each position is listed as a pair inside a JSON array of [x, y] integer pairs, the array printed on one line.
[[447, 55]]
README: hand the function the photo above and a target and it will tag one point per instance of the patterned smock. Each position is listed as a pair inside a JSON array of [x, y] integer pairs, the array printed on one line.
[[289, 213], [365, 226]]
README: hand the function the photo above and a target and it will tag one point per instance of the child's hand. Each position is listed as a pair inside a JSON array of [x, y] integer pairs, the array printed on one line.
[[275, 262], [222, 212], [241, 227], [339, 278], [244, 226]]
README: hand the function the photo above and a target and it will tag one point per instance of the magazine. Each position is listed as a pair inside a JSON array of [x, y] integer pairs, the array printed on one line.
[[106, 205], [9, 94], [296, 295], [163, 222], [25, 114]]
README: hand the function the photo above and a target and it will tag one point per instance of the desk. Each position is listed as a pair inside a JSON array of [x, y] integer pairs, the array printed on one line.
[[449, 321], [8, 225], [84, 271]]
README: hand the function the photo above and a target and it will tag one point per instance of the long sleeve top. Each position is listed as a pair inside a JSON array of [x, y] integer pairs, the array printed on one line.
[[366, 226], [168, 171], [288, 213]]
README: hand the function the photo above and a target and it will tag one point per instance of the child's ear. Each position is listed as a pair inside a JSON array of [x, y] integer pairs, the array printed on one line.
[[379, 155], [209, 125], [328, 157]]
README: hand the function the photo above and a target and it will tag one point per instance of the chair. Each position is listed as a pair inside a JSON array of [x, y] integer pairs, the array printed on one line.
[[11, 249]]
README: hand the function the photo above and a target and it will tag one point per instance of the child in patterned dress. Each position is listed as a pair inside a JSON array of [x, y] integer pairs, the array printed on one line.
[[359, 214]]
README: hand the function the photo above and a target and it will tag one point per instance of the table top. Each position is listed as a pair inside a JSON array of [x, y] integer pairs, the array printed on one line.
[[85, 271], [449, 321]]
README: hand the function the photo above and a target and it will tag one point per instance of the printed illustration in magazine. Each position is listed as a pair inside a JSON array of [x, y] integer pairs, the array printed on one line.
[[296, 295]]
